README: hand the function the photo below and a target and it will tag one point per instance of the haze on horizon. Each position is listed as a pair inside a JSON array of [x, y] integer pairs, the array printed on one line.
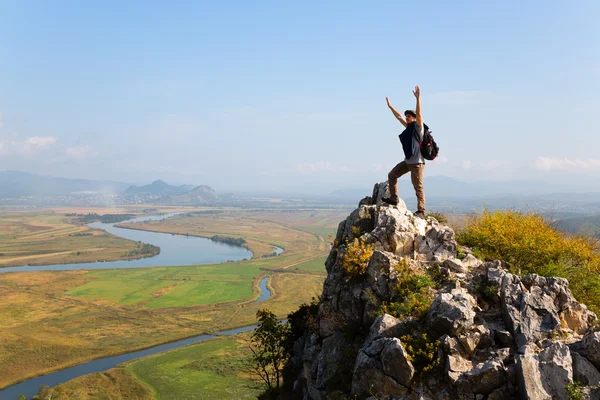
[[291, 97]]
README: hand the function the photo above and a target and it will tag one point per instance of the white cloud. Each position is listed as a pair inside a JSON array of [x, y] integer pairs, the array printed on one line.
[[41, 140], [81, 152], [467, 164], [565, 164], [320, 166], [28, 147], [1, 120], [441, 160]]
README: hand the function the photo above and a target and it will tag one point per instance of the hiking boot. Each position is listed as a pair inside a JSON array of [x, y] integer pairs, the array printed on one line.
[[420, 214], [392, 201]]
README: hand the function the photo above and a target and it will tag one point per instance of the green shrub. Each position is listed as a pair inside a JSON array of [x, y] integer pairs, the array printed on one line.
[[441, 218], [574, 391], [412, 294], [529, 244]]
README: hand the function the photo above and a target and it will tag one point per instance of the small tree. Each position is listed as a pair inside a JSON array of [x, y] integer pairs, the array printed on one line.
[[269, 350]]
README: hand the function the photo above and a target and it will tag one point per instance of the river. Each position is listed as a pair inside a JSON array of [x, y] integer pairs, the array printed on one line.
[[175, 250]]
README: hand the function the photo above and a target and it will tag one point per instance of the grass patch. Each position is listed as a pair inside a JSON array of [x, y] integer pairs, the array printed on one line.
[[316, 265], [170, 286], [41, 238], [215, 369], [529, 244], [116, 383]]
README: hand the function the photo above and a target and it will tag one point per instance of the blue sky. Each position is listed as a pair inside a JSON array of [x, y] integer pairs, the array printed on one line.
[[272, 95]]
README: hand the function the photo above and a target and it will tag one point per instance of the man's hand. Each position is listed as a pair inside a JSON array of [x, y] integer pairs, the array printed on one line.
[[396, 113], [416, 92]]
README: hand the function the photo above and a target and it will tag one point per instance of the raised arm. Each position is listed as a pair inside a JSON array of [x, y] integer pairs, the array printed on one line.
[[417, 93], [396, 113]]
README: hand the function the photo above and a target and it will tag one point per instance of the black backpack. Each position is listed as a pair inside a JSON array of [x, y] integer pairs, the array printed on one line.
[[429, 148]]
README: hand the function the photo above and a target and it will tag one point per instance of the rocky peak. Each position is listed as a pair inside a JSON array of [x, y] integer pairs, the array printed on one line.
[[485, 333]]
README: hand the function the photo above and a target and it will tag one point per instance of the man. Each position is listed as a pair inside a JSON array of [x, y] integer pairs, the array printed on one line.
[[413, 162]]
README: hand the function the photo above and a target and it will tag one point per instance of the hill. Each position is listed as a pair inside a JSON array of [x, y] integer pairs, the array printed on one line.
[[158, 187], [589, 225], [15, 184], [407, 313], [199, 195]]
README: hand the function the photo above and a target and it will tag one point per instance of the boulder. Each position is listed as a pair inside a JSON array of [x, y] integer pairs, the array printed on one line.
[[589, 347], [381, 190], [584, 371], [470, 261], [370, 380], [381, 274], [546, 374], [452, 313], [455, 265], [534, 307], [395, 362]]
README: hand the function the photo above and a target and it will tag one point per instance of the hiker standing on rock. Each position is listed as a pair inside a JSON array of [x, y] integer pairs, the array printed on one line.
[[413, 162]]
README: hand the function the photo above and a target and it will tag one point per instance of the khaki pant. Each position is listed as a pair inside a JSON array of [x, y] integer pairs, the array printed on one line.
[[416, 176]]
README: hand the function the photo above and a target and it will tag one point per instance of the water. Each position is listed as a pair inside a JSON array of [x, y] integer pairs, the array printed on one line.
[[174, 250], [265, 293], [31, 387]]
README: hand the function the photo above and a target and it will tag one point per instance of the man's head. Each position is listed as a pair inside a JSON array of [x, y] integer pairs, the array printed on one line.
[[411, 116]]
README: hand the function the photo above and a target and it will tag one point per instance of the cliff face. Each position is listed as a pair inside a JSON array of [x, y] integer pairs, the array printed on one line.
[[485, 333]]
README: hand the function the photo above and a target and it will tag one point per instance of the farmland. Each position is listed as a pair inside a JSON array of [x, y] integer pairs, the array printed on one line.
[[51, 320]]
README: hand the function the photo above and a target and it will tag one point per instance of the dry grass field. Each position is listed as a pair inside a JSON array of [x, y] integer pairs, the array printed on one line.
[[51, 320], [41, 238]]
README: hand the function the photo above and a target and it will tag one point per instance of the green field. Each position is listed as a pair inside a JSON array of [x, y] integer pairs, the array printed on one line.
[[215, 369], [210, 370], [317, 265], [169, 286], [324, 232]]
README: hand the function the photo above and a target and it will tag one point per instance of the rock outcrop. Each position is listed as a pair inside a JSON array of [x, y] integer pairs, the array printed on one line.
[[496, 335]]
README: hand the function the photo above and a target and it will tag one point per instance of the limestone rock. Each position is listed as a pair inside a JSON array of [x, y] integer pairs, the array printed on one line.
[[454, 264], [381, 190], [534, 306], [369, 379], [483, 379], [584, 371], [395, 362], [589, 347], [330, 359], [470, 261], [546, 374], [452, 313], [384, 326], [512, 344], [381, 274]]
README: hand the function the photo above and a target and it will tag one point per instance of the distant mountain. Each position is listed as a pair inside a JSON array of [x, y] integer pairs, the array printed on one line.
[[14, 184], [199, 195], [588, 226], [159, 187], [443, 186]]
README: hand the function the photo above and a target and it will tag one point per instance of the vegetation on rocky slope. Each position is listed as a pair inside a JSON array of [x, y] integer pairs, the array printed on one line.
[[530, 244]]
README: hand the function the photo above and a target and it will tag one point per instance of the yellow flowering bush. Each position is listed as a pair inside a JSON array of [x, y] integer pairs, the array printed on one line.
[[356, 258], [529, 244], [422, 351]]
